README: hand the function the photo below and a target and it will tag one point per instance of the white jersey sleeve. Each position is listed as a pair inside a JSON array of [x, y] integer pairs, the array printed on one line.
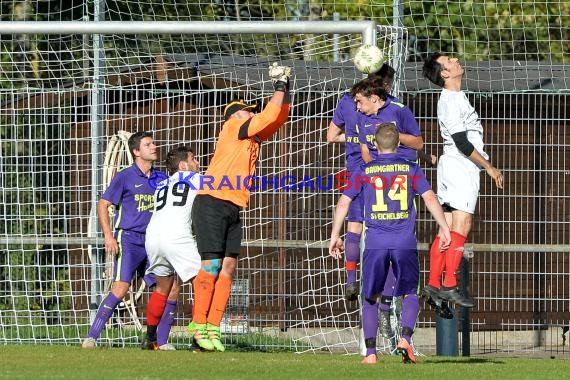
[[455, 114]]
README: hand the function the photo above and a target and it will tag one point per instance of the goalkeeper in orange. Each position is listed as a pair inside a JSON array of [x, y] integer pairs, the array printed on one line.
[[216, 212]]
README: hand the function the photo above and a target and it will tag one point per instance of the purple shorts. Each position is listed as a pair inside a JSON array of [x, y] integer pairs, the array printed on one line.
[[131, 258], [356, 209], [375, 267]]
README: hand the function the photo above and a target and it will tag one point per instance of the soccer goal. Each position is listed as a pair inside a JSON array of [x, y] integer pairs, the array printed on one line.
[[72, 91]]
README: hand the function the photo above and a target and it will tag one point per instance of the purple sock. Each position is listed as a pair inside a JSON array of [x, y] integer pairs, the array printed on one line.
[[166, 321], [103, 314], [410, 311], [370, 323], [352, 254]]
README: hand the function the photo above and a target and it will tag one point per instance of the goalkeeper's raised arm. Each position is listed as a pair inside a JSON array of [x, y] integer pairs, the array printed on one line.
[[275, 114], [216, 212]]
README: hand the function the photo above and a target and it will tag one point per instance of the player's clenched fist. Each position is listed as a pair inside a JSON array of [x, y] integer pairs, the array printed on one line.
[[280, 76]]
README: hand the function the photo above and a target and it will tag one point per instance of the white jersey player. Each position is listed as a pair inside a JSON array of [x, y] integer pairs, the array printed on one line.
[[458, 173], [170, 244], [455, 116]]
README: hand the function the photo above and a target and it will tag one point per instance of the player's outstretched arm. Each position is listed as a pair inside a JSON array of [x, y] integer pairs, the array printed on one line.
[[340, 212], [429, 159], [335, 134], [465, 147], [366, 156], [411, 141], [276, 113], [111, 245], [436, 211], [497, 175], [492, 171]]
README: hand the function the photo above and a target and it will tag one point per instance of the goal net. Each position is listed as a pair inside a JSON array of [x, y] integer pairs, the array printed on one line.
[[71, 92]]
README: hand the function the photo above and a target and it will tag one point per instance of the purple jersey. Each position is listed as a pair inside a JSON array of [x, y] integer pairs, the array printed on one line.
[[391, 112], [133, 195], [344, 117], [390, 184]]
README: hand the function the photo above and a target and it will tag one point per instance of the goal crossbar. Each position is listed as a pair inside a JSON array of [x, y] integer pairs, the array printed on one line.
[[366, 28]]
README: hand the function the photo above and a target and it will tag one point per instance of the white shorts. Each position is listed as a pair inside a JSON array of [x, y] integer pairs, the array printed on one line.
[[458, 180], [169, 257]]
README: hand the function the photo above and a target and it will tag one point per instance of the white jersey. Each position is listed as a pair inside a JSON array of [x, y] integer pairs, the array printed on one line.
[[173, 201], [456, 114], [457, 176], [170, 243]]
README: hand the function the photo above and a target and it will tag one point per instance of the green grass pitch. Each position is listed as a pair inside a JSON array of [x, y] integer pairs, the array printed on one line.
[[66, 362]]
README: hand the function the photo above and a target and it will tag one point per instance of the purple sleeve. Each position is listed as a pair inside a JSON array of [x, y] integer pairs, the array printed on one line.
[[408, 122], [344, 105], [114, 192], [420, 183], [352, 188]]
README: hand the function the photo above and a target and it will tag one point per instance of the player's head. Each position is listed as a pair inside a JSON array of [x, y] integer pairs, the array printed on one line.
[[181, 159], [387, 74], [369, 95], [439, 68], [239, 108], [141, 145], [387, 138]]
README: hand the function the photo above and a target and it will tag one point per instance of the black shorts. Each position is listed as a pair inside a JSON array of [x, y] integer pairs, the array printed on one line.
[[217, 226]]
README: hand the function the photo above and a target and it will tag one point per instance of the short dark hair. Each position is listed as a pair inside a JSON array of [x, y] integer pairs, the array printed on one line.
[[174, 157], [370, 86], [432, 69], [387, 136], [387, 73], [135, 140]]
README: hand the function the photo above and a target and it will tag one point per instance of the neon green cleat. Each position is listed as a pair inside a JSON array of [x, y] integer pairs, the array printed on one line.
[[214, 334], [200, 335]]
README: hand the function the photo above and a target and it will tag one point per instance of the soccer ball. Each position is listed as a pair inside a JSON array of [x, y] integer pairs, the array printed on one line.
[[368, 59]]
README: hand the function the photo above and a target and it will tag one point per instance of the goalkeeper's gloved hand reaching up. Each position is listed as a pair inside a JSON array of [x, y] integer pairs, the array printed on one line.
[[280, 76]]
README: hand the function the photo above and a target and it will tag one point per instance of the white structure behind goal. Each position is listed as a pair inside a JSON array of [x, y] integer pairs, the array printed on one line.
[[71, 91]]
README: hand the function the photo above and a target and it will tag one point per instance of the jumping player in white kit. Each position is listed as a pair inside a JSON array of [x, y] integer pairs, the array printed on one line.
[[170, 244], [458, 173]]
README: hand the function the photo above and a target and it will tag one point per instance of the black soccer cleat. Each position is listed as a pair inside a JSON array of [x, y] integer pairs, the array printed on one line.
[[444, 311], [434, 299], [453, 295], [148, 344], [351, 291]]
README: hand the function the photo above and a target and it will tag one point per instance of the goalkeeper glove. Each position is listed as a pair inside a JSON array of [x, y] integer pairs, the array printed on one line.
[[280, 76]]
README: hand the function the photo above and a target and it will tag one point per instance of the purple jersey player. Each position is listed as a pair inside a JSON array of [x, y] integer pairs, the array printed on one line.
[[132, 192], [343, 128], [390, 216], [376, 107]]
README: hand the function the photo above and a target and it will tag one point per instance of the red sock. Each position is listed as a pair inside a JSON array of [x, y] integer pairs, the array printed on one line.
[[453, 257], [155, 308], [203, 292], [220, 299], [436, 264]]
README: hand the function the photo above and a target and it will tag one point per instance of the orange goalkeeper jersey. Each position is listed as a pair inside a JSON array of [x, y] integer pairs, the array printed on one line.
[[234, 159]]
